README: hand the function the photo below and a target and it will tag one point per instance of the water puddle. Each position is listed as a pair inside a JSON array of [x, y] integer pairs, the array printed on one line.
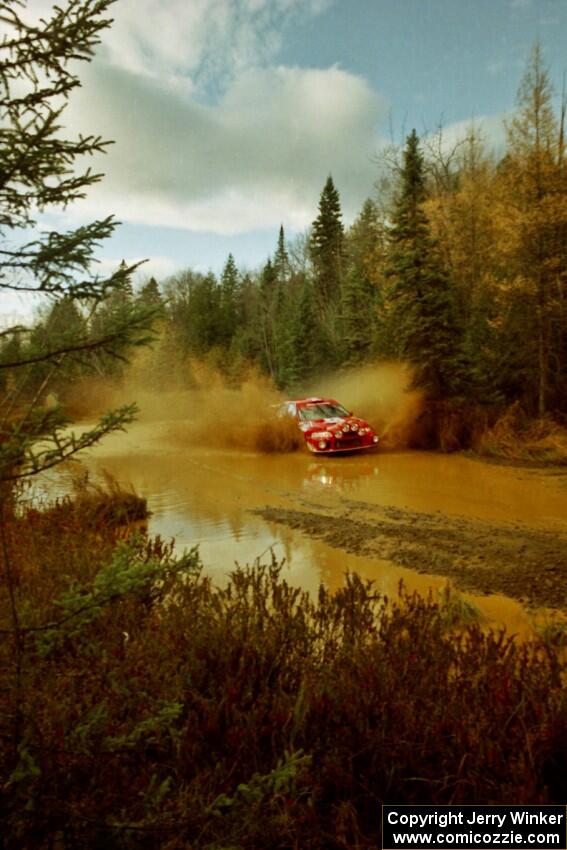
[[206, 497]]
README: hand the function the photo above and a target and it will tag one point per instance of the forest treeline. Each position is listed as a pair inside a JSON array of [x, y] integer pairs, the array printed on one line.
[[457, 265]]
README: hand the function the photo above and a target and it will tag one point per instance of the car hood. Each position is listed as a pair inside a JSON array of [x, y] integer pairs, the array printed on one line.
[[331, 424]]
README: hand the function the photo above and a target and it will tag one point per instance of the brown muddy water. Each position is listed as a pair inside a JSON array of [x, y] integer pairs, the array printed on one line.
[[384, 515]]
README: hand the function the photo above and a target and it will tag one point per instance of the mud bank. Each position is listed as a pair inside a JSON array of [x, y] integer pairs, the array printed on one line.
[[526, 564]]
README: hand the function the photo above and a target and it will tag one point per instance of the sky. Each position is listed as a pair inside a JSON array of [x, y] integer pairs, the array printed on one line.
[[228, 115]]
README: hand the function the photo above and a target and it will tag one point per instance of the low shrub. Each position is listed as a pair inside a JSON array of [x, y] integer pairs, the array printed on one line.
[[144, 707]]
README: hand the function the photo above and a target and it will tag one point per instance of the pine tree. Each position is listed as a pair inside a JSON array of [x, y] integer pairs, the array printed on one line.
[[150, 294], [64, 324], [268, 281], [358, 322], [297, 340], [360, 294], [111, 314], [39, 172], [268, 294], [327, 248], [419, 303], [229, 300], [281, 259]]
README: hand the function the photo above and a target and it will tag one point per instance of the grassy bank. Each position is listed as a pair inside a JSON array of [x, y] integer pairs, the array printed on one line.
[[143, 707], [517, 439]]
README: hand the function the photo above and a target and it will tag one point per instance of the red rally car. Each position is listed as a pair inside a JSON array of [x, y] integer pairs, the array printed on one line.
[[328, 427]]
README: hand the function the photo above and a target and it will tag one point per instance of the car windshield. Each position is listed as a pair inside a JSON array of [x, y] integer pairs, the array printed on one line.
[[322, 410]]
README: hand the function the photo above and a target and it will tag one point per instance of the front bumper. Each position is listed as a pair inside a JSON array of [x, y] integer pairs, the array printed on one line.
[[342, 447]]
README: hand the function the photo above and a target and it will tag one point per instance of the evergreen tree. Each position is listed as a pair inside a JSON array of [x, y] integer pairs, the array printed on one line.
[[268, 280], [125, 287], [297, 340], [281, 259], [419, 303], [229, 300], [150, 294], [194, 310], [110, 315], [266, 309], [39, 172], [64, 324], [360, 293], [327, 248], [358, 321]]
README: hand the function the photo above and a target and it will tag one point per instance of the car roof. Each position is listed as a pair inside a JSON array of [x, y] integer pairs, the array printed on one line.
[[312, 400]]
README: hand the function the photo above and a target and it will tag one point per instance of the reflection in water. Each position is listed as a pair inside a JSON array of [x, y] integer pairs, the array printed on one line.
[[340, 479], [205, 497]]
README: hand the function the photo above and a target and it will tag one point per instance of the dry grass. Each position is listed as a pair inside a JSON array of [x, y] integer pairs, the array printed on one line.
[[514, 438], [104, 502]]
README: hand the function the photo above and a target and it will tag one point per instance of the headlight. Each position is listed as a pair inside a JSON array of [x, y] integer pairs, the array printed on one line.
[[345, 428], [354, 427], [338, 434], [321, 435], [375, 438]]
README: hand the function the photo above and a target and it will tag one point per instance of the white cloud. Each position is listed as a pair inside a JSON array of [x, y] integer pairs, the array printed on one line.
[[491, 128], [257, 157], [210, 135], [210, 40], [206, 41]]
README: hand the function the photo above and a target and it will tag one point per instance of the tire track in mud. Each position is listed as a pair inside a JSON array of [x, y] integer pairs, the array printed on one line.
[[511, 559]]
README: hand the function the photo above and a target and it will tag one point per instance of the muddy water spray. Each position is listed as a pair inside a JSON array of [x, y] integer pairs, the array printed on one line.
[[381, 394], [245, 417]]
